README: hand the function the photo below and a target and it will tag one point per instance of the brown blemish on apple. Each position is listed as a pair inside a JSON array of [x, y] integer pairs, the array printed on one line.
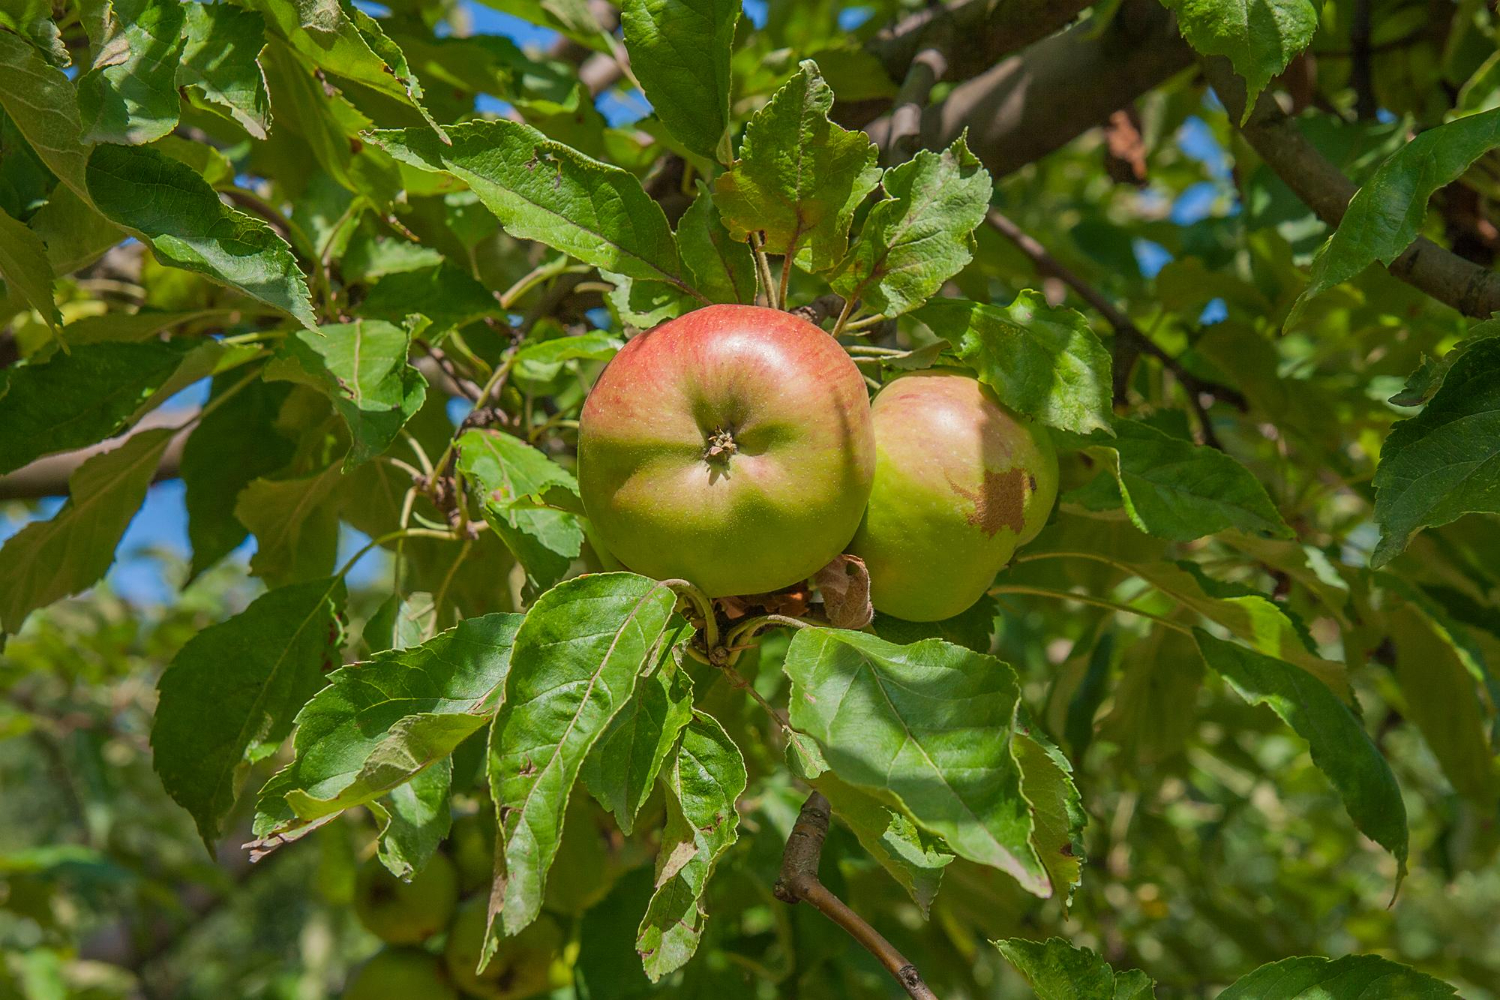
[[999, 502]]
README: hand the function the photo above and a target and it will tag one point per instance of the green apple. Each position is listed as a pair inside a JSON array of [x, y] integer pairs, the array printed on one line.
[[401, 974], [524, 965], [406, 912], [960, 482], [472, 842], [731, 447]]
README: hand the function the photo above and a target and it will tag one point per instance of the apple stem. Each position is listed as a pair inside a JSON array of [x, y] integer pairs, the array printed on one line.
[[838, 324], [705, 609]]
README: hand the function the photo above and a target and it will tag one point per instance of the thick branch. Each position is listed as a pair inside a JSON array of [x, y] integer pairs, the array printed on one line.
[[48, 477], [989, 31], [928, 67], [1041, 99], [1447, 277], [799, 883]]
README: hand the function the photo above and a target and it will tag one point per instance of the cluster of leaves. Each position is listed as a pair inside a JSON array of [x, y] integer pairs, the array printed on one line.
[[434, 251]]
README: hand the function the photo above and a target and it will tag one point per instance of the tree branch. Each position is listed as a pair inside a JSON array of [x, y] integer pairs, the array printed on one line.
[[1447, 277], [799, 883], [48, 477], [989, 31], [928, 66]]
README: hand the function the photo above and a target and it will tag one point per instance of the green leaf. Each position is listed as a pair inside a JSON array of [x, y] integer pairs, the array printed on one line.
[[576, 660], [48, 560], [541, 361], [232, 445], [134, 100], [799, 177], [915, 859], [179, 216], [78, 398], [40, 100], [1339, 745], [1057, 970], [1042, 362], [1353, 977], [380, 723], [1057, 810], [414, 819], [679, 50], [295, 522], [930, 723], [1260, 37], [444, 294], [1442, 463], [622, 767], [221, 59], [76, 235], [545, 191], [1385, 215], [1174, 489], [721, 268], [1423, 384], [704, 783], [918, 235], [507, 473], [361, 367], [240, 683], [24, 267]]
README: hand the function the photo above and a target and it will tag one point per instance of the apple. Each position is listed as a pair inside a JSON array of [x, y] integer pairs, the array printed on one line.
[[400, 912], [960, 482], [731, 447], [523, 965], [401, 974], [472, 841]]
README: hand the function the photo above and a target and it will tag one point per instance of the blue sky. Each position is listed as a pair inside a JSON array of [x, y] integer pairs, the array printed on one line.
[[161, 524]]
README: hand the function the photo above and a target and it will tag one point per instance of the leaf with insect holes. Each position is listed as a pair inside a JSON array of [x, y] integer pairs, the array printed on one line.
[[918, 235], [575, 664], [704, 783], [799, 176], [239, 683]]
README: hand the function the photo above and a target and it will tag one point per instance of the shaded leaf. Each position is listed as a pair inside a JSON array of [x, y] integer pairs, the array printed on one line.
[[133, 98], [239, 683], [721, 268], [25, 268], [444, 294], [1353, 977], [221, 59], [621, 769], [1057, 810], [40, 100], [1260, 37], [915, 859], [679, 50], [1057, 970], [414, 819], [1423, 384], [295, 523]]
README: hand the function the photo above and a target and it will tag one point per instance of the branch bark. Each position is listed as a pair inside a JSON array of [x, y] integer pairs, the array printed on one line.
[[1447, 277], [799, 883], [48, 477], [989, 30]]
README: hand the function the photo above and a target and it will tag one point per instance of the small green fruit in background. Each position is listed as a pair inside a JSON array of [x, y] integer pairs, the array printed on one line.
[[523, 965], [730, 447], [472, 842], [406, 912], [960, 482], [401, 974]]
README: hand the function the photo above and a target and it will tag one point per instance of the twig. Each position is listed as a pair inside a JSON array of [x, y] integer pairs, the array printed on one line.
[[928, 67], [820, 308], [1130, 341], [799, 883]]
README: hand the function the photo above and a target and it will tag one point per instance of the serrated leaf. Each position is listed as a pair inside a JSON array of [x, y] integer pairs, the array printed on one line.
[[1260, 37], [133, 98], [913, 858], [221, 59], [295, 523], [1154, 704], [545, 191], [238, 683], [444, 294], [40, 100], [621, 769], [76, 235], [575, 663], [1423, 384], [78, 398], [1385, 215], [1042, 362], [1057, 810], [930, 723], [24, 267], [505, 472], [1337, 741], [704, 783], [1174, 489], [177, 214], [1058, 970], [721, 268], [49, 560], [1442, 463], [798, 177], [918, 235], [232, 445], [378, 724], [541, 361], [1353, 977], [414, 820], [679, 50], [360, 366]]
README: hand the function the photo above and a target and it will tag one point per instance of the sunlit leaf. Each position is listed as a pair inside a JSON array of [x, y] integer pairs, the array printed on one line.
[[679, 50]]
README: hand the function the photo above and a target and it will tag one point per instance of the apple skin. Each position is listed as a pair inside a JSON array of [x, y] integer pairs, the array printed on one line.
[[523, 965], [769, 510], [960, 482], [401, 974], [400, 912]]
